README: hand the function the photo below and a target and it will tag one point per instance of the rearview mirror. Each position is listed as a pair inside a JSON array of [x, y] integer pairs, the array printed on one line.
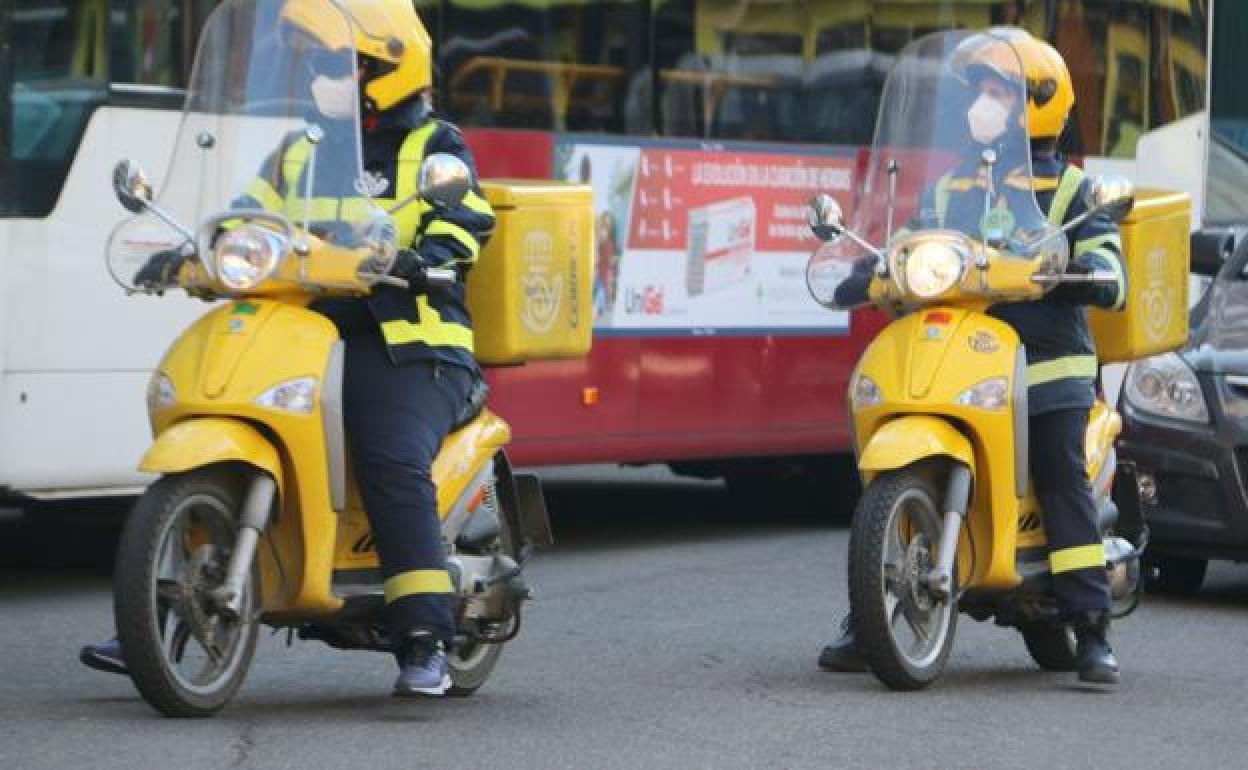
[[1211, 249], [1112, 195], [444, 179], [131, 186], [826, 219]]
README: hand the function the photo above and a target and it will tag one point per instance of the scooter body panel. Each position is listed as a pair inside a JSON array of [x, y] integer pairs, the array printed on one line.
[[218, 369], [924, 364]]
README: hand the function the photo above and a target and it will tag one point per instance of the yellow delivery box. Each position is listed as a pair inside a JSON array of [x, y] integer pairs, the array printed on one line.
[[1157, 254], [529, 293]]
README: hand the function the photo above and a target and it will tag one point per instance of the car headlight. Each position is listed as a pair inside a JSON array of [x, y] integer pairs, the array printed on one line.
[[991, 394], [246, 256], [866, 393], [160, 393], [1166, 386], [933, 267], [297, 395]]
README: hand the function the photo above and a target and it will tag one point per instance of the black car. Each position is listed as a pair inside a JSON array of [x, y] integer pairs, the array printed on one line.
[[1185, 427]]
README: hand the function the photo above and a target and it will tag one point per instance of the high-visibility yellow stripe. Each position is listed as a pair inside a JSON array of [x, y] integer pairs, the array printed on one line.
[[442, 227], [1072, 177], [1062, 368], [293, 161], [347, 209], [265, 195], [478, 204], [417, 581], [1078, 557], [411, 155], [431, 330], [1095, 242], [1045, 183]]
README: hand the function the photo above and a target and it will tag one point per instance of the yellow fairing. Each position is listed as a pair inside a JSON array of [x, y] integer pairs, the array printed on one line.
[[906, 440], [218, 368], [203, 441], [463, 456], [922, 363]]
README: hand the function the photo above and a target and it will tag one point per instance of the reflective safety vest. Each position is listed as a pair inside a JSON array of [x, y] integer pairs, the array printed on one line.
[[425, 325], [1061, 356]]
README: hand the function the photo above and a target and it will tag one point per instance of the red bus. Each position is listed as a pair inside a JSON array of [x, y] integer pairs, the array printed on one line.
[[703, 126]]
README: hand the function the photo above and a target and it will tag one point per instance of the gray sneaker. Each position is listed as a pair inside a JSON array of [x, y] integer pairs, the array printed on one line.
[[422, 668]]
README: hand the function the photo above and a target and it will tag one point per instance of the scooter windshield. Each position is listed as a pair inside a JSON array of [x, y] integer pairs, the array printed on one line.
[[270, 131], [951, 155]]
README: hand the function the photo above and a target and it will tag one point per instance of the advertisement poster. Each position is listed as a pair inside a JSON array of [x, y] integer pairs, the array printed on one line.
[[702, 239]]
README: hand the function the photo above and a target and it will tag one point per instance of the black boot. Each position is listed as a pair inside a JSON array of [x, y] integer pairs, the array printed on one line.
[[842, 654], [1094, 659]]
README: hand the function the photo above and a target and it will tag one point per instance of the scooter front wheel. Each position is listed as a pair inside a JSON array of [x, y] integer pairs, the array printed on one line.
[[905, 631], [186, 658]]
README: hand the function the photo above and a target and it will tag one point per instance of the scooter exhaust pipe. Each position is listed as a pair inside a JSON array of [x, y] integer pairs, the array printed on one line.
[[257, 507], [957, 500]]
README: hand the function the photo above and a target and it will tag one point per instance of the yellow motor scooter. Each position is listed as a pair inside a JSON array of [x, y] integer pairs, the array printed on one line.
[[948, 521], [255, 517]]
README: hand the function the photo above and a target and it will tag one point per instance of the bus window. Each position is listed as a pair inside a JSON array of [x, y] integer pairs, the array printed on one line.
[[153, 40], [58, 75], [1135, 66], [1226, 198], [541, 64]]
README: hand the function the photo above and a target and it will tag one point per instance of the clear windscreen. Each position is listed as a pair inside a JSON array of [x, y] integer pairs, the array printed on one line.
[[271, 124], [951, 153]]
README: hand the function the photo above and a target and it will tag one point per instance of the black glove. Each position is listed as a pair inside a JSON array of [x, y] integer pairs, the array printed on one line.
[[159, 269], [410, 266]]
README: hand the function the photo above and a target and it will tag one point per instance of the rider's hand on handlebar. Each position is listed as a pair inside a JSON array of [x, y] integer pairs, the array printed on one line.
[[409, 266], [160, 269]]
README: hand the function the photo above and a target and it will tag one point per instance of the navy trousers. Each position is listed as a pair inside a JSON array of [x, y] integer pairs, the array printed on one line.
[[1059, 472], [397, 417]]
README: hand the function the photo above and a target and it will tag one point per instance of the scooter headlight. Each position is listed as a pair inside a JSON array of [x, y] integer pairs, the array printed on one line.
[[991, 395], [160, 393], [866, 393], [246, 256], [297, 395], [932, 266]]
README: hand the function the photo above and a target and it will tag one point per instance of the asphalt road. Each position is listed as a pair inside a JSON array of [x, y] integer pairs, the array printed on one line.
[[670, 632]]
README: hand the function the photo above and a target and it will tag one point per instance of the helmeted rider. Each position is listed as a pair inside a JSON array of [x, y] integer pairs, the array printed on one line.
[[410, 372], [1061, 360]]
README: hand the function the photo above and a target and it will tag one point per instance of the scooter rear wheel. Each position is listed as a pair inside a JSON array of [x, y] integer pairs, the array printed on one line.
[[470, 664], [1051, 646], [906, 634], [186, 659]]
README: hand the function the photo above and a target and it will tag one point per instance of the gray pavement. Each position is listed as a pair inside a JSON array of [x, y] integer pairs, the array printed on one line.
[[670, 632]]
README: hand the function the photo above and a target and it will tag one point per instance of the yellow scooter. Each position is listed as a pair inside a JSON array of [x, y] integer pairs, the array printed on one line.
[[947, 521], [255, 518]]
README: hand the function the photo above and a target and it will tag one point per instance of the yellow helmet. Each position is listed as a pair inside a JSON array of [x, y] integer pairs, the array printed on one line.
[[1050, 93], [388, 32]]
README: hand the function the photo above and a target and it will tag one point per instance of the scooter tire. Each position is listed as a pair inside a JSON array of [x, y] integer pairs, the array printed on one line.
[[876, 513], [1051, 646], [135, 611]]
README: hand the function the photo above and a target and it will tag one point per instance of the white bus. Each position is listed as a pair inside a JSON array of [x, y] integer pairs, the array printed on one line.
[[84, 83]]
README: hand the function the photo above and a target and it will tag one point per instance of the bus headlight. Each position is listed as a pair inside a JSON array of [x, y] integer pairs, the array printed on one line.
[[248, 255], [933, 267]]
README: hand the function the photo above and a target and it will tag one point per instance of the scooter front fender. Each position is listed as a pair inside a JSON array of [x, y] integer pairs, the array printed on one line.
[[201, 441], [906, 440]]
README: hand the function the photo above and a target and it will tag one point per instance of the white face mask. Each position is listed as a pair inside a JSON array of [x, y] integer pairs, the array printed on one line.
[[335, 97], [987, 118]]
